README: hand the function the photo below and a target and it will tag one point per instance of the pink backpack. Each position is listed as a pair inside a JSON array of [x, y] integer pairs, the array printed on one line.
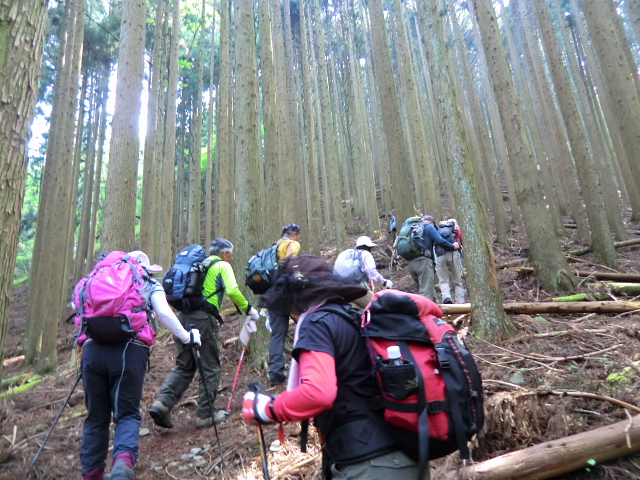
[[110, 306]]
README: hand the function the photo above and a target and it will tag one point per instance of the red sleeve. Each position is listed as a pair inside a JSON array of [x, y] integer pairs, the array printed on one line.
[[316, 392], [459, 235]]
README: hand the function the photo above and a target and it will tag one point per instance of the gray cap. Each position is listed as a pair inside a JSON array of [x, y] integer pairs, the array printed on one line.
[[428, 218]]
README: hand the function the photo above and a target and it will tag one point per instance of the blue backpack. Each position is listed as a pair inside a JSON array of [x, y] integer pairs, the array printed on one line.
[[262, 270], [184, 281]]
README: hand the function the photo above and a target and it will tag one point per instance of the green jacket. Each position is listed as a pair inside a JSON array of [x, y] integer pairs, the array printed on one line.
[[220, 279]]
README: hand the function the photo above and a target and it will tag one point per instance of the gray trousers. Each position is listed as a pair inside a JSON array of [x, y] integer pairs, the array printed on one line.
[[185, 369], [449, 269], [391, 466], [421, 271]]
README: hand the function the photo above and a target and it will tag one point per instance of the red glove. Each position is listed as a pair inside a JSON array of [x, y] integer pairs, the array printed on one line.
[[257, 409]]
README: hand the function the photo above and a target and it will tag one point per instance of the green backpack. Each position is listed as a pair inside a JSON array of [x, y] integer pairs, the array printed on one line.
[[407, 249]]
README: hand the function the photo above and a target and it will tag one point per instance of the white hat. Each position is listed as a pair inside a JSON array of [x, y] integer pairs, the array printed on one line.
[[365, 241], [143, 259]]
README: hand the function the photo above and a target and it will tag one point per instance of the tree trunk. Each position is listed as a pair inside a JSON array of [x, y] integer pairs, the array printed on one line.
[[564, 455], [97, 184], [618, 76], [151, 176], [87, 188], [22, 28], [600, 235], [490, 320], [248, 233], [330, 188], [120, 203], [48, 285], [552, 268], [169, 157], [224, 187], [559, 145], [208, 183], [315, 210], [399, 163]]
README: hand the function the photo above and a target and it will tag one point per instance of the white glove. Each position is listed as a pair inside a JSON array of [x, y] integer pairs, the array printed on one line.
[[253, 314], [388, 283], [194, 337], [255, 410], [248, 329], [265, 313]]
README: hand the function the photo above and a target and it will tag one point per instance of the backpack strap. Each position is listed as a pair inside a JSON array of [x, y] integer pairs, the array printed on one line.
[[423, 414], [456, 414], [209, 307]]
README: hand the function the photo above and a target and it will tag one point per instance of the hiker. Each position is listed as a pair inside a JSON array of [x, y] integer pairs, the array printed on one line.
[[421, 268], [113, 376], [288, 246], [329, 358], [449, 263], [392, 227], [357, 264], [219, 280]]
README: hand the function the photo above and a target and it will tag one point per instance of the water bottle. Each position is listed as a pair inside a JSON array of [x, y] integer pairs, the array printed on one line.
[[394, 355]]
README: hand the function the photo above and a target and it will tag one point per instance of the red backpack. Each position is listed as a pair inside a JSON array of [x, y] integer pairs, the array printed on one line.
[[436, 390], [110, 306]]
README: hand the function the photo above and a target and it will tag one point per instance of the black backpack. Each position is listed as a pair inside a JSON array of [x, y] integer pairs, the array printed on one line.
[[262, 270], [436, 391], [184, 281]]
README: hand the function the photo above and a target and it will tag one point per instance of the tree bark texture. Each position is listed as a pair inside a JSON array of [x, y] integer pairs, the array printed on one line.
[[546, 254], [47, 287], [22, 27], [122, 178], [484, 288], [399, 162]]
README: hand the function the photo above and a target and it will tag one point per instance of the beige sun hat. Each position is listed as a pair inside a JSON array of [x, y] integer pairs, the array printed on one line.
[[143, 259]]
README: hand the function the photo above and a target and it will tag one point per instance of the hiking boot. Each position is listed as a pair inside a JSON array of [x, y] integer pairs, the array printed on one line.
[[447, 300], [219, 417], [123, 467], [277, 381], [95, 474], [161, 415]]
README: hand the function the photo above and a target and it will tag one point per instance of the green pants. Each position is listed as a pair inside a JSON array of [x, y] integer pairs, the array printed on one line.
[[421, 271], [186, 367], [395, 465]]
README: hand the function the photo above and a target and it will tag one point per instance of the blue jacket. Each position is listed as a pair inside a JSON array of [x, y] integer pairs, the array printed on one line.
[[430, 238]]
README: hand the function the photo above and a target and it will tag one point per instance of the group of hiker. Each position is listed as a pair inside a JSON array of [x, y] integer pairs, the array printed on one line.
[[329, 377]]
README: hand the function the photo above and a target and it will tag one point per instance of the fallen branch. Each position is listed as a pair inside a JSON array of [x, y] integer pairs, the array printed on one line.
[[571, 393], [582, 297], [551, 307], [550, 459], [626, 243], [618, 277]]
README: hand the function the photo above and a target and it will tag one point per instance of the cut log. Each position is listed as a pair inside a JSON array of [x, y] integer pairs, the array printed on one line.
[[616, 277], [626, 243], [551, 307], [513, 263], [550, 459]]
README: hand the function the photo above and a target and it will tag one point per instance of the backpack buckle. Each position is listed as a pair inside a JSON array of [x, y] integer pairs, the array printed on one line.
[[442, 357]]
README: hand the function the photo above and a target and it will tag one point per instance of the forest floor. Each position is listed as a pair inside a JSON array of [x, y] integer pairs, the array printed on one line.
[[514, 420]]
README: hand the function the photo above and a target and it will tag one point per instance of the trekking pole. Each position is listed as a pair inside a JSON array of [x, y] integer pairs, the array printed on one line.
[[55, 422], [196, 352], [256, 388], [235, 381]]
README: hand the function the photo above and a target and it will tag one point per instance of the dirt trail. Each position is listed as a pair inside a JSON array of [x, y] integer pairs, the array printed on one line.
[[515, 418]]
